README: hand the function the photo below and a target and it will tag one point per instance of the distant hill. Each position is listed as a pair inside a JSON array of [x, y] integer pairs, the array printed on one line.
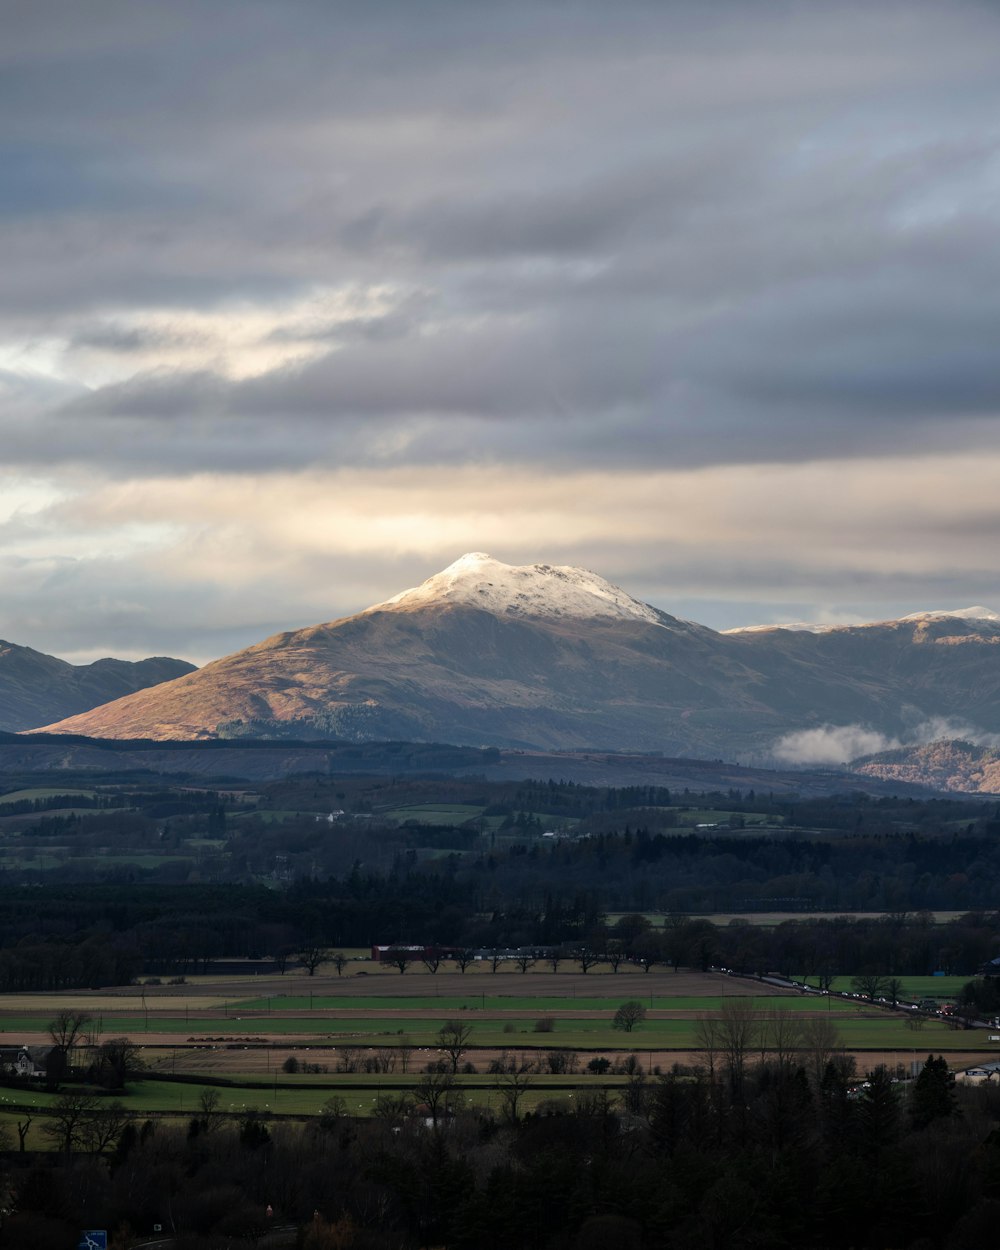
[[544, 658], [256, 759], [35, 688], [947, 765]]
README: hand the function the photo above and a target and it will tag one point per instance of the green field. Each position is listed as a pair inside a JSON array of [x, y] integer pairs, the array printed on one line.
[[44, 792], [859, 1028], [537, 1003], [179, 1101], [689, 819], [242, 1045], [942, 988], [457, 814]]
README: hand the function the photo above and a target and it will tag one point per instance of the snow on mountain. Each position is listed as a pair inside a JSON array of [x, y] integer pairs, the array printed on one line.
[[799, 627], [537, 590], [977, 613]]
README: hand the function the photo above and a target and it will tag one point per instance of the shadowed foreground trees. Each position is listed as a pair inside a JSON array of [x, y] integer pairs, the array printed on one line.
[[678, 1161]]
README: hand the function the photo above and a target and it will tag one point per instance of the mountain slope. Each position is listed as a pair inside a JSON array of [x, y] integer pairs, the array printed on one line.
[[557, 658], [958, 766], [36, 687]]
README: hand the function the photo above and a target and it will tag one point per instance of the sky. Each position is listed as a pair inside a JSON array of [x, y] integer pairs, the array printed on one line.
[[300, 301]]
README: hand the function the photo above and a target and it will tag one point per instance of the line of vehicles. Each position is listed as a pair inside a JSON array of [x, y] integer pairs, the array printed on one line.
[[928, 1006]]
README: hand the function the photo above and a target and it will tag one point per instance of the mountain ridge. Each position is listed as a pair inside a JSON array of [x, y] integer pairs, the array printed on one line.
[[34, 685], [556, 658]]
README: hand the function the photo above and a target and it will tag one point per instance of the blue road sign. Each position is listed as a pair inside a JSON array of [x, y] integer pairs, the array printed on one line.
[[93, 1239]]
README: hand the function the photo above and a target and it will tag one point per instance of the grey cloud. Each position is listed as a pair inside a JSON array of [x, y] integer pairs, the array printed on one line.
[[658, 235], [86, 607], [128, 339]]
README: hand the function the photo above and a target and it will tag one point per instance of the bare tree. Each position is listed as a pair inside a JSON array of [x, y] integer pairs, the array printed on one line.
[[432, 960], [453, 1039], [463, 959], [496, 959], [629, 1015], [614, 954], [339, 961], [708, 1038], [524, 962], [392, 1109], [439, 1093], [586, 958], [67, 1030], [22, 1131], [647, 950], [332, 1113], [555, 959], [404, 1051], [511, 1088], [104, 1126], [399, 958], [870, 984], [69, 1120], [116, 1060], [739, 1025], [310, 958], [821, 1037], [208, 1103], [348, 1059], [780, 1035]]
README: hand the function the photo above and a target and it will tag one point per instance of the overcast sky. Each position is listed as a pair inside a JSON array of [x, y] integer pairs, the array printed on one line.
[[300, 301]]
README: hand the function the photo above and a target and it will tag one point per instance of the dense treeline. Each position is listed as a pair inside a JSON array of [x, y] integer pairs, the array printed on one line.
[[339, 862], [70, 937], [734, 1157]]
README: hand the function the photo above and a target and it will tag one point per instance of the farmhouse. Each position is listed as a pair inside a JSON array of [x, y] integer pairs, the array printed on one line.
[[24, 1061]]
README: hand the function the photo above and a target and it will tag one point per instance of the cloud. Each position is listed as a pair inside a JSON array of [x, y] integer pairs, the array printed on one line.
[[830, 745], [703, 300]]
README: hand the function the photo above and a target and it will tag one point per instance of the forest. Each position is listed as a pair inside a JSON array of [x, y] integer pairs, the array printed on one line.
[[105, 879], [108, 880], [744, 1155]]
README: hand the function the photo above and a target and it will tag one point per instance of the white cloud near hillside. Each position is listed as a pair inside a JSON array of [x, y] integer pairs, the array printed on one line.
[[831, 744], [840, 744]]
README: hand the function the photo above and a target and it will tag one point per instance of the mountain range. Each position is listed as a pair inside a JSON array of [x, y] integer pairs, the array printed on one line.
[[35, 688], [557, 658]]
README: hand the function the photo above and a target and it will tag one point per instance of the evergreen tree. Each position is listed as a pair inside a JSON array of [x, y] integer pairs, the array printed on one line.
[[933, 1094], [879, 1112]]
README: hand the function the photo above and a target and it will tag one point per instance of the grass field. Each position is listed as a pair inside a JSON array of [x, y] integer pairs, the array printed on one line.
[[240, 1031], [941, 988], [178, 1102], [44, 792], [690, 819], [443, 814]]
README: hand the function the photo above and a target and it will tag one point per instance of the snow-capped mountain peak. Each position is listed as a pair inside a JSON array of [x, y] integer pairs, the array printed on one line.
[[539, 590]]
